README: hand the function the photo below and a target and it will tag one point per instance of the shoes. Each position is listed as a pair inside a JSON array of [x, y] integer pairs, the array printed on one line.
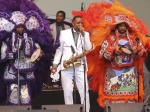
[[56, 87], [45, 85]]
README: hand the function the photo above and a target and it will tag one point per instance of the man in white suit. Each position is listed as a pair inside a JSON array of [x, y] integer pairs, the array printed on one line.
[[79, 43], [58, 25]]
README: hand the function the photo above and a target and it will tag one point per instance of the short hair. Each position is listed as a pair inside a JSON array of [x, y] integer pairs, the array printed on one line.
[[75, 17], [64, 14]]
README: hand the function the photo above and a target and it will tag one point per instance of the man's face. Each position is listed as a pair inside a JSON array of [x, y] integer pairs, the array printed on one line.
[[20, 29], [77, 23], [60, 17], [122, 28]]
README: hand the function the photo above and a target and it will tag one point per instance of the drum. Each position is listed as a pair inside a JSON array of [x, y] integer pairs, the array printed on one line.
[[36, 56], [126, 50]]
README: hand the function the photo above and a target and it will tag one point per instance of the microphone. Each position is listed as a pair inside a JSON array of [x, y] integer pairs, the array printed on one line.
[[82, 32], [82, 9], [18, 34], [137, 39], [72, 49]]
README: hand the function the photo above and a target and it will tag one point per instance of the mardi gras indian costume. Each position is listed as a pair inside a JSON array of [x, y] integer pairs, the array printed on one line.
[[17, 49], [117, 60]]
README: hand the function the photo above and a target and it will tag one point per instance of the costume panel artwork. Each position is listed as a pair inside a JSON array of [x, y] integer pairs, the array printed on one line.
[[25, 95], [121, 82]]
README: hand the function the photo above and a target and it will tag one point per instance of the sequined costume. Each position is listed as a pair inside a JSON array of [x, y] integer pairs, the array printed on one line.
[[117, 60], [35, 36]]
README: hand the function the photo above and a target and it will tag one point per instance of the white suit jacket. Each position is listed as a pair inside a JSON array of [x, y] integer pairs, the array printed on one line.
[[66, 40], [54, 31]]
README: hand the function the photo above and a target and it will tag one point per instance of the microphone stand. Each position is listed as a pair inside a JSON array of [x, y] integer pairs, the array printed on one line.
[[74, 79], [138, 87], [84, 68], [82, 9], [18, 73], [137, 40]]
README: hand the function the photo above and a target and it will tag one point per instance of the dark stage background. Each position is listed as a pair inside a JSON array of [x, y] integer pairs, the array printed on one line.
[[55, 97]]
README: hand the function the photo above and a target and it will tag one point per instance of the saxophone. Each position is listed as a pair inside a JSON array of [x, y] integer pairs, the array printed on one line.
[[76, 59]]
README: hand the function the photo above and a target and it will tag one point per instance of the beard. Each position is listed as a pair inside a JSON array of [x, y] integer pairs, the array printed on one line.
[[122, 31]]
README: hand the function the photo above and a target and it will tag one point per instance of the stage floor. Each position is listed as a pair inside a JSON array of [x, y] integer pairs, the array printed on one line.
[[55, 97]]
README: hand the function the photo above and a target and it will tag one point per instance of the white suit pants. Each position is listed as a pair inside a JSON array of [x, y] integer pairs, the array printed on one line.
[[67, 84]]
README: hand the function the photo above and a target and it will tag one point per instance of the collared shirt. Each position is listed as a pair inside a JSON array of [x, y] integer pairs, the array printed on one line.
[[76, 36], [59, 27]]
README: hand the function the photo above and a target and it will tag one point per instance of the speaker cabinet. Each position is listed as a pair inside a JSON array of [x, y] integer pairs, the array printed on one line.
[[125, 107], [36, 110], [65, 108], [13, 108]]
